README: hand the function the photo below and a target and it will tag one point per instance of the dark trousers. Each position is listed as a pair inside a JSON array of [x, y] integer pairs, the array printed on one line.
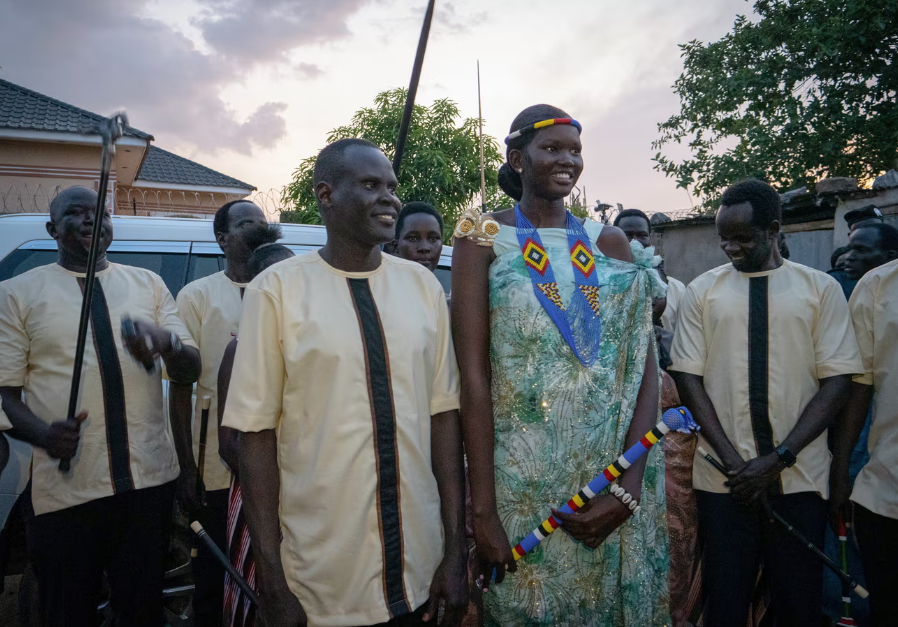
[[408, 620], [208, 573], [878, 538], [126, 535], [735, 539]]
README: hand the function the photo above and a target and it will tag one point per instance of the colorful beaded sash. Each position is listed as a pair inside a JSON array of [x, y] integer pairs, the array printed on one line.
[[580, 325]]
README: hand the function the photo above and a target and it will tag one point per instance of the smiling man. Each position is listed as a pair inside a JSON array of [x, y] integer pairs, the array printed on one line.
[[112, 511], [346, 389], [763, 355]]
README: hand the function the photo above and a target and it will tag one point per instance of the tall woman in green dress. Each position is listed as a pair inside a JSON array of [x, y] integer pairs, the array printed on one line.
[[542, 415]]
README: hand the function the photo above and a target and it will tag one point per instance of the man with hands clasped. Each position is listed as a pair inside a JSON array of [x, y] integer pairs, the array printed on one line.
[[112, 510], [763, 357]]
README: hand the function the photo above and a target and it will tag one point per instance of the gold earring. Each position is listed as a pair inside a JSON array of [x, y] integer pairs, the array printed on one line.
[[520, 170]]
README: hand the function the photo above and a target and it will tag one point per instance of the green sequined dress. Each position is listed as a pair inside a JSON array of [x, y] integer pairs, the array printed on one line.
[[558, 424]]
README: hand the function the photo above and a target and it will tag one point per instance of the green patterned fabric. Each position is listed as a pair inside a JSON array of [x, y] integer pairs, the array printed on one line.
[[558, 424]]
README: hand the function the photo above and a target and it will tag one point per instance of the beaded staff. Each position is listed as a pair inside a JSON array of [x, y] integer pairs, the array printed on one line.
[[846, 620], [676, 419]]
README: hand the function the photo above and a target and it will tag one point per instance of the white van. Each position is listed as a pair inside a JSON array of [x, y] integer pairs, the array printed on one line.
[[180, 250]]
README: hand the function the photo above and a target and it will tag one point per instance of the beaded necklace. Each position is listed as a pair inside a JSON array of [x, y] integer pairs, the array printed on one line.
[[581, 324]]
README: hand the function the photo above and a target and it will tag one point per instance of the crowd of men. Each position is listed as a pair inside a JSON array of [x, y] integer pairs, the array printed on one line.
[[341, 423]]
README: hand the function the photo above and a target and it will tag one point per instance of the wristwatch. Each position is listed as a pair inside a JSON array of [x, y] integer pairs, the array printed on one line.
[[786, 456]]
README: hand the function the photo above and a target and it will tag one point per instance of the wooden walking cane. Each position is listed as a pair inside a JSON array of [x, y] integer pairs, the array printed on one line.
[[110, 130], [412, 89], [795, 533], [201, 457]]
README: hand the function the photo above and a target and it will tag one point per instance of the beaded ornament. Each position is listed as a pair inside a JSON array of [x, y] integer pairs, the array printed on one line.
[[581, 324], [476, 227], [543, 124]]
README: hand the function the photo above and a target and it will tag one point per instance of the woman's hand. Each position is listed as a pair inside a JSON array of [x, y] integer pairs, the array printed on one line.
[[493, 550], [595, 522]]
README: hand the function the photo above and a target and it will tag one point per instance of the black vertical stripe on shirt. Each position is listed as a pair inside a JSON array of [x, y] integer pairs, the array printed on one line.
[[113, 391], [758, 375], [381, 396]]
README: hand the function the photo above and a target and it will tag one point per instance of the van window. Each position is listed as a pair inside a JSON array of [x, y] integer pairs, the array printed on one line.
[[20, 261], [445, 277], [204, 265], [172, 267]]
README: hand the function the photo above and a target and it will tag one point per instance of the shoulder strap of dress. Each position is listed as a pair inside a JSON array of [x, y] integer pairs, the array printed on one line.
[[593, 229]]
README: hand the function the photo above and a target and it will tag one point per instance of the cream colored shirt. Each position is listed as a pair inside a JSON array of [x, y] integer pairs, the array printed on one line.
[[38, 331], [675, 291], [874, 312], [809, 338], [210, 308], [308, 365], [4, 421]]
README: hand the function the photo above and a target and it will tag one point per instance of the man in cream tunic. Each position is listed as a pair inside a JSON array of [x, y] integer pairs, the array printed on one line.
[[210, 308], [112, 510], [346, 389]]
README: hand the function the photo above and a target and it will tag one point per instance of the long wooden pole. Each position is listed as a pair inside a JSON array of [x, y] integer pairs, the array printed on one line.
[[412, 89], [480, 119]]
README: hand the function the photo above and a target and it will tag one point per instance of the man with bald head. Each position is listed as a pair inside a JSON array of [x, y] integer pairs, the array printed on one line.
[[346, 391], [111, 511]]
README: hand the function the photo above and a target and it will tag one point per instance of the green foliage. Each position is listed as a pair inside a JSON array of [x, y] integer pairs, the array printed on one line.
[[441, 164], [807, 90]]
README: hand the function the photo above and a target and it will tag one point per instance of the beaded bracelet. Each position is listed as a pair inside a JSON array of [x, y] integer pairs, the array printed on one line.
[[625, 497]]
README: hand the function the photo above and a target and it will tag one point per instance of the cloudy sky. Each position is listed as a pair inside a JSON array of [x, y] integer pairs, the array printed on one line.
[[251, 87]]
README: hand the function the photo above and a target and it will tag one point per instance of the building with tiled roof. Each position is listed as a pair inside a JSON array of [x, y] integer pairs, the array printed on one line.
[[47, 145]]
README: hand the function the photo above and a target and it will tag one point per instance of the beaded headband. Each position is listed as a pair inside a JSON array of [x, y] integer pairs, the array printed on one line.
[[544, 124]]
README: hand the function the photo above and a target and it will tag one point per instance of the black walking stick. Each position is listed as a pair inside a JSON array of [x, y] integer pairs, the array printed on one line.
[[213, 548], [201, 459], [795, 533], [110, 130], [412, 89], [201, 454]]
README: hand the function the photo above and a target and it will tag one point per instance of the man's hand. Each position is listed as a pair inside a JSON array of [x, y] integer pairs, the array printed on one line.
[[60, 440], [493, 550], [449, 587], [187, 494], [751, 481], [839, 493], [147, 342], [595, 522], [282, 609]]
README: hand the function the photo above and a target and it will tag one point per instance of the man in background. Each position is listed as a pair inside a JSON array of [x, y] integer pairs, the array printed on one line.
[[637, 226], [764, 352], [210, 308], [865, 443]]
